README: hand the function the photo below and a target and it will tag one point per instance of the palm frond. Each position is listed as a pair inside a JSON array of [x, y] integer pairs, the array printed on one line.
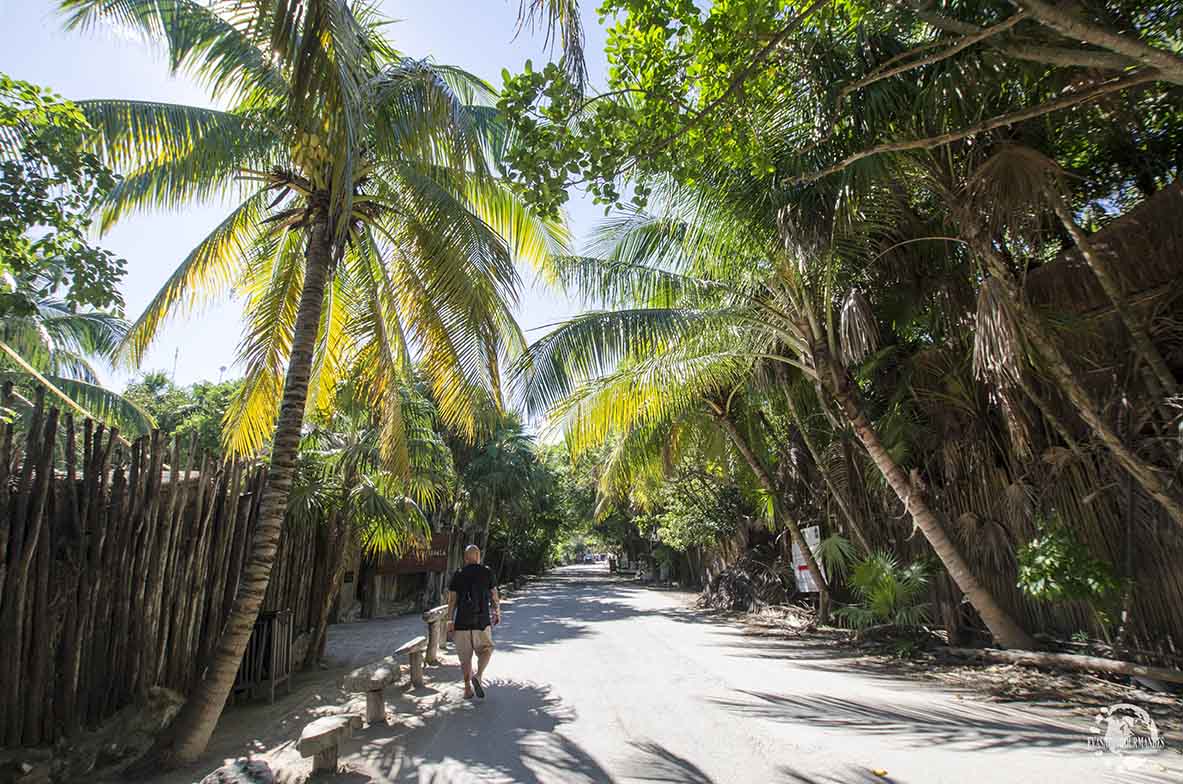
[[562, 24], [999, 349], [106, 405], [211, 41], [389, 524], [272, 288], [206, 274], [591, 345]]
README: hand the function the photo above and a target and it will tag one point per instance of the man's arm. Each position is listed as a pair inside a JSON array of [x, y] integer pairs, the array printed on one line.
[[496, 607], [451, 611]]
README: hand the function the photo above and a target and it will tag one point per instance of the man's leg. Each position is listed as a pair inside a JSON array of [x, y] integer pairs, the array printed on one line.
[[464, 648], [484, 651]]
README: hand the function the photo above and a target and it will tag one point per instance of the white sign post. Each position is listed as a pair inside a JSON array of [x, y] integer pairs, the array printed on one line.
[[805, 581]]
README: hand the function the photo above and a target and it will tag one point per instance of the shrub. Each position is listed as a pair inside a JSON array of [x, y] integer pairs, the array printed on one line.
[[887, 593]]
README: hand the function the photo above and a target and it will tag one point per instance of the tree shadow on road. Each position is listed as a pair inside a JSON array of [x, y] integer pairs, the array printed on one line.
[[848, 775], [554, 611], [969, 727], [743, 642], [513, 736], [654, 762]]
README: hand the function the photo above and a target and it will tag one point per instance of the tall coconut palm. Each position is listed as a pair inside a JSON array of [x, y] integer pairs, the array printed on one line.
[[771, 294], [369, 225]]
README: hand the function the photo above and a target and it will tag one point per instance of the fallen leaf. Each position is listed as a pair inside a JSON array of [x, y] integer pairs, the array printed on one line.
[[880, 772]]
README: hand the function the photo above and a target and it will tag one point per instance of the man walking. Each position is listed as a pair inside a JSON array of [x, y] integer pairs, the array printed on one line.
[[473, 610]]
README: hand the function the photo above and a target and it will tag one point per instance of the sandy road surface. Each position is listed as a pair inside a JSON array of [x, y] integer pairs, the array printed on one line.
[[600, 680]]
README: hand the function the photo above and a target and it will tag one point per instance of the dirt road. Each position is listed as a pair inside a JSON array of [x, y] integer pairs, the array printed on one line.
[[600, 680]]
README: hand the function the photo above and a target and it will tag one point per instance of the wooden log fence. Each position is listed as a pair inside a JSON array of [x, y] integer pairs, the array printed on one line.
[[117, 569]]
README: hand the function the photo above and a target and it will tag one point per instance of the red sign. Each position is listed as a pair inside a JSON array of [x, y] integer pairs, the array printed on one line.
[[432, 559]]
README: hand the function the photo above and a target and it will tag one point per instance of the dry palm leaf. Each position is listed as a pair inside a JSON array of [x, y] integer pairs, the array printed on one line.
[[998, 345], [858, 332]]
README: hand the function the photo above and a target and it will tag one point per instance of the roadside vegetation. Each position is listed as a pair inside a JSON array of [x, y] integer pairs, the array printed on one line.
[[885, 303], [888, 271]]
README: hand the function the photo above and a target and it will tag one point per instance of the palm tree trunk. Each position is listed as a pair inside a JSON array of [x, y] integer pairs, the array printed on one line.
[[199, 716], [839, 497], [483, 542], [335, 572], [778, 507], [339, 530], [1004, 628], [1056, 365]]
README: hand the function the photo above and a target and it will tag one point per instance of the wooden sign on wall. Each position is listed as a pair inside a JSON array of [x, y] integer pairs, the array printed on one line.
[[433, 559]]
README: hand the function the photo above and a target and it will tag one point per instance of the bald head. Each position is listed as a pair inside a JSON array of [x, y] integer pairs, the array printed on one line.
[[472, 554]]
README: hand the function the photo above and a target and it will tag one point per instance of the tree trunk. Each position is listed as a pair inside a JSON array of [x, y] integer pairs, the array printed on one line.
[[778, 506], [1056, 365], [339, 532], [1072, 661], [839, 497], [334, 573], [1139, 335], [1070, 25], [1004, 628], [483, 541], [200, 714]]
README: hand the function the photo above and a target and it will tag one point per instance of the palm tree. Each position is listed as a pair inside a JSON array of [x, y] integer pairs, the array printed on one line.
[[55, 345], [498, 476], [1004, 310], [369, 228], [342, 483], [664, 386], [726, 306]]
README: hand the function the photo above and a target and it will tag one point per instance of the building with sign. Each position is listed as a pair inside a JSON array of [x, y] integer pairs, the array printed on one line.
[[385, 585]]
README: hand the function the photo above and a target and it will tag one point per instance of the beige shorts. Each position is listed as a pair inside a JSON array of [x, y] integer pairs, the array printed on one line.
[[470, 641]]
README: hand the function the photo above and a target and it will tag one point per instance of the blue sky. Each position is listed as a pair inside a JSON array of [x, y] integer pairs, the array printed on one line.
[[475, 34]]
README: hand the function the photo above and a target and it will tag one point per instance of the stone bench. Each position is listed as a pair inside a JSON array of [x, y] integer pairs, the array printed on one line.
[[437, 621], [373, 680], [321, 740], [415, 651]]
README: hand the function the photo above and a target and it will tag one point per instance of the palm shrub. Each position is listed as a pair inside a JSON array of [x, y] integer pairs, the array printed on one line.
[[887, 593], [496, 475], [837, 554], [370, 230]]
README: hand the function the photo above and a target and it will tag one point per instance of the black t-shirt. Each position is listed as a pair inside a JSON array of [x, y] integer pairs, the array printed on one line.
[[474, 587]]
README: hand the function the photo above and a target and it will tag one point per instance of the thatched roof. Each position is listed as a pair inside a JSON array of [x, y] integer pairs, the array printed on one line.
[[1145, 246]]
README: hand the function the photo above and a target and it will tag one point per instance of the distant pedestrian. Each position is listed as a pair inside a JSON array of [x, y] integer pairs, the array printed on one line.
[[474, 608]]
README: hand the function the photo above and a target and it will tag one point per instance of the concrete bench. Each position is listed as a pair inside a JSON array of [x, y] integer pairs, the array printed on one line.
[[415, 650], [373, 680], [321, 740], [437, 621]]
